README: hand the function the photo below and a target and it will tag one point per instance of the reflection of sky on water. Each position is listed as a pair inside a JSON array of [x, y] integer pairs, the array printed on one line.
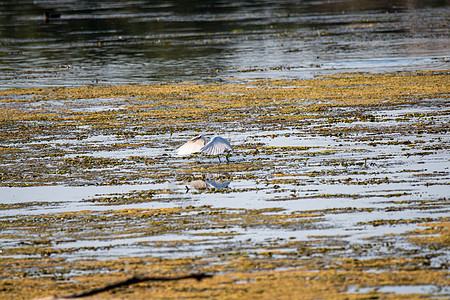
[[139, 42]]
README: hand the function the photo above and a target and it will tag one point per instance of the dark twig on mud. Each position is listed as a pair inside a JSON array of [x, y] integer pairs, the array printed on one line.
[[133, 280]]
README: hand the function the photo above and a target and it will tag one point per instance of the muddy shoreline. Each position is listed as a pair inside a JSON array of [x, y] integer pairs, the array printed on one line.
[[338, 188]]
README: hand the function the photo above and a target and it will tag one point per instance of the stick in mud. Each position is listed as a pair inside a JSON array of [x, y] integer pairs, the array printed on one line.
[[132, 280]]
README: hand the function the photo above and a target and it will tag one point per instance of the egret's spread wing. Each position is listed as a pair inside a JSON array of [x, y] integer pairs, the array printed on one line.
[[217, 146], [193, 146]]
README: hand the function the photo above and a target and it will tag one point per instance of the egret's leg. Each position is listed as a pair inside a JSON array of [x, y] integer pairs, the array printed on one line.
[[219, 158]]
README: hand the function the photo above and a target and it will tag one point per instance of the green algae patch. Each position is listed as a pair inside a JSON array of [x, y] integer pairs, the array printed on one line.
[[128, 118], [315, 267], [435, 236], [287, 284], [55, 231], [334, 189]]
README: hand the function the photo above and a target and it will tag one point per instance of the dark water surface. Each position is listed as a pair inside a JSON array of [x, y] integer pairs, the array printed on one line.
[[158, 41]]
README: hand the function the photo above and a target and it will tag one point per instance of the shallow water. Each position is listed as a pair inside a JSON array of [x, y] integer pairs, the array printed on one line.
[[405, 289], [116, 42], [352, 181]]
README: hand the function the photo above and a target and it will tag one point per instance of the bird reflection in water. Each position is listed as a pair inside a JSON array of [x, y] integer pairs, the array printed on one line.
[[201, 185]]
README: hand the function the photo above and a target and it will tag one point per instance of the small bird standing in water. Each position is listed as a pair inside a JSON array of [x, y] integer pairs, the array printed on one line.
[[200, 143]]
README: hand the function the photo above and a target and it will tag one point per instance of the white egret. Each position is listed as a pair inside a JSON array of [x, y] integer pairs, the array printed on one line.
[[200, 143]]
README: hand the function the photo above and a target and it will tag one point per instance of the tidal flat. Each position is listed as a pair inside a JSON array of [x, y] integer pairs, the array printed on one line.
[[337, 189]]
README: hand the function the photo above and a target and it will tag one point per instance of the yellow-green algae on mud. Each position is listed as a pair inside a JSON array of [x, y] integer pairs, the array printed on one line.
[[31, 120], [325, 266]]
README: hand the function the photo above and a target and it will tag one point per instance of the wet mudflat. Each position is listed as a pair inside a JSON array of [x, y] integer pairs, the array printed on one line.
[[338, 188]]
